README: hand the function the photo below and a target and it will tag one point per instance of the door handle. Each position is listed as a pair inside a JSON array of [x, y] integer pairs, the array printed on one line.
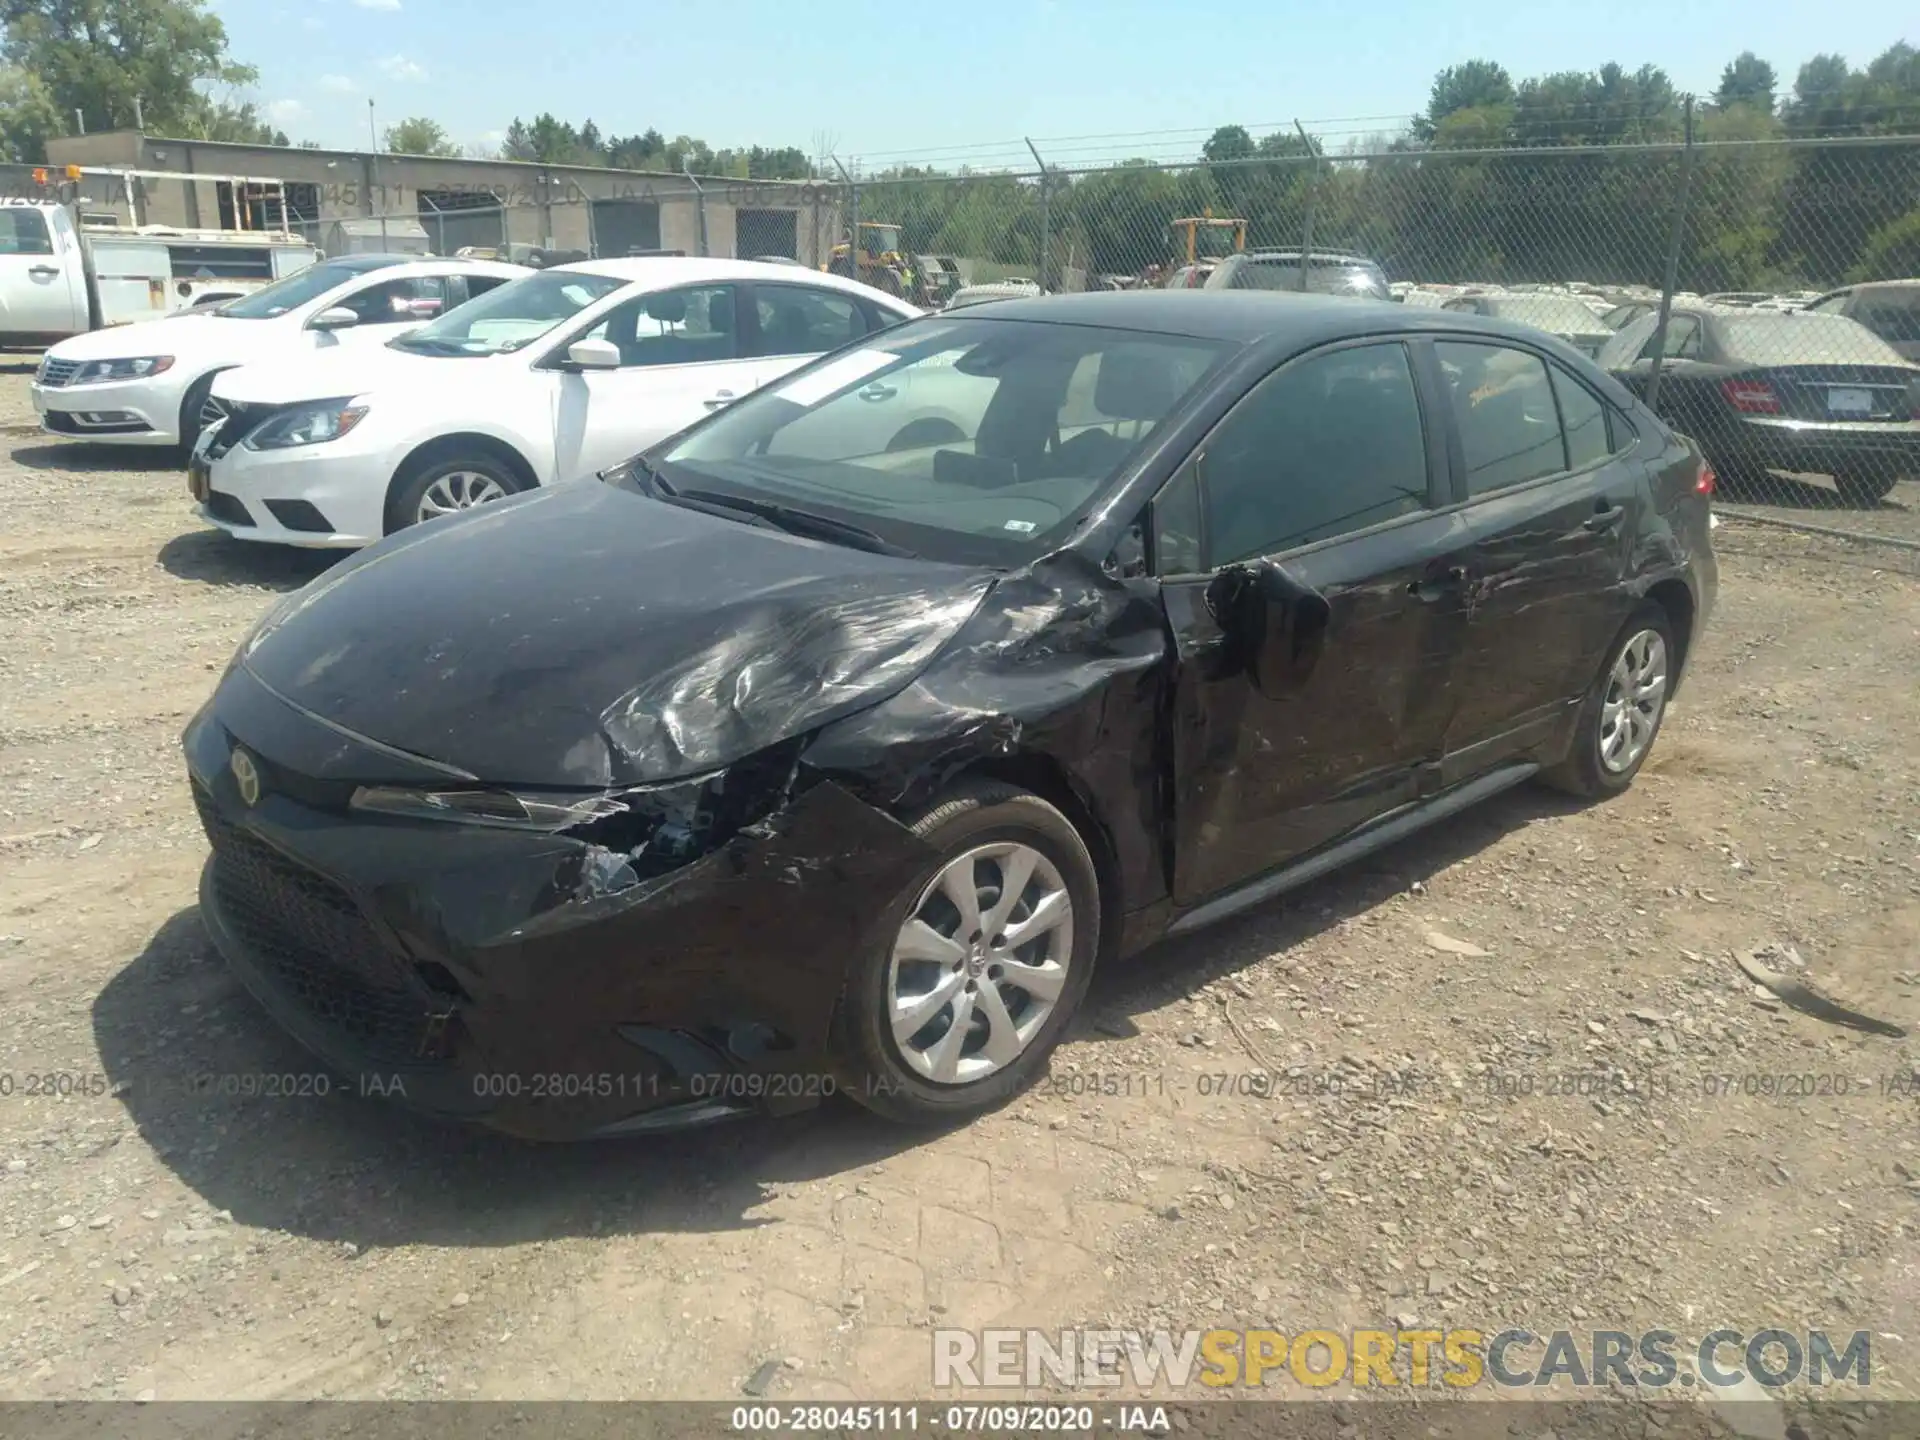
[[718, 400], [1603, 520], [43, 270], [1452, 581], [878, 392]]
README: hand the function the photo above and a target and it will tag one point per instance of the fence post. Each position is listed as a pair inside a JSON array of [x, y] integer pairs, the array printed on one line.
[[1046, 220], [1313, 194], [1672, 278], [699, 201]]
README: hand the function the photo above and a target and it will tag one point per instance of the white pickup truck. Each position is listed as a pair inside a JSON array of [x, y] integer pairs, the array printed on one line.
[[61, 277]]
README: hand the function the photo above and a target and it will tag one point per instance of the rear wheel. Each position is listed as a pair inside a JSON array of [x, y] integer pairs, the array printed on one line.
[[1865, 488], [977, 966], [448, 484], [1624, 707]]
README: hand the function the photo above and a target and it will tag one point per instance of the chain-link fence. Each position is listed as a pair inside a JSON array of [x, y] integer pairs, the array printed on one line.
[[1762, 295]]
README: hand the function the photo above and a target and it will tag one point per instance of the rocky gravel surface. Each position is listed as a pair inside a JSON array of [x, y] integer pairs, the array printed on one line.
[[1504, 1075]]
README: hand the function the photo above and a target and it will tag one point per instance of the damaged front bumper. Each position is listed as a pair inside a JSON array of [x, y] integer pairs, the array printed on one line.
[[550, 985]]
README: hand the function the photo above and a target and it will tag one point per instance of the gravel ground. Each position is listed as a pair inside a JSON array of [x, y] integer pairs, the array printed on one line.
[[1515, 1076]]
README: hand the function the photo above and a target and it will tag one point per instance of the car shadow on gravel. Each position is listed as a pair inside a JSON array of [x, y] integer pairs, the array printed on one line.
[[177, 1035], [1797, 492], [214, 557], [1176, 968], [78, 455]]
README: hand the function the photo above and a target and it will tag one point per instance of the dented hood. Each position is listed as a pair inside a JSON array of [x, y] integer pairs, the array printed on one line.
[[588, 636]]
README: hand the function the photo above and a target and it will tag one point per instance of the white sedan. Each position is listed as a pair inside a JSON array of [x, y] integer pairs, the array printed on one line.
[[554, 377], [147, 383]]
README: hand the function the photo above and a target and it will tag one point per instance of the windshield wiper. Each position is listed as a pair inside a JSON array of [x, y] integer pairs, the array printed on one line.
[[799, 522]]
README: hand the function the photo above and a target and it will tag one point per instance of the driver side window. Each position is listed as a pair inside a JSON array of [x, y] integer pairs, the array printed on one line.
[[398, 302], [671, 327]]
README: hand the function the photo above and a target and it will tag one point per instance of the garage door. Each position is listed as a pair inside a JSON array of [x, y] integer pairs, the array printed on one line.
[[622, 227]]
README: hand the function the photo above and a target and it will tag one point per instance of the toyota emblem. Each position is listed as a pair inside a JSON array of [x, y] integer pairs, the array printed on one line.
[[246, 775]]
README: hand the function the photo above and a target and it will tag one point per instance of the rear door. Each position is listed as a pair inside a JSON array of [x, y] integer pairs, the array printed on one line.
[[1552, 508], [683, 355], [1331, 466]]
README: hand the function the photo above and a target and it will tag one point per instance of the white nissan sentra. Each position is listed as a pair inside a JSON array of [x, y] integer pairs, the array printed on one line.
[[147, 383], [550, 378]]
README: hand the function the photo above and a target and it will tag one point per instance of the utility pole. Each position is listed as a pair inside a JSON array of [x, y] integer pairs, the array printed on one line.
[[139, 120]]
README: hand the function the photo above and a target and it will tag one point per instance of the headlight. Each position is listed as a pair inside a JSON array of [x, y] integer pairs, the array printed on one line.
[[314, 423], [95, 372]]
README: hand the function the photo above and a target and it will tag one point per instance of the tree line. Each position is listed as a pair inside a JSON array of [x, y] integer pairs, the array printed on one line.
[[1560, 177]]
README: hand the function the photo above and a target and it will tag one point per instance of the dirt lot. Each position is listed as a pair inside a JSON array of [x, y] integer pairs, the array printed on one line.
[[1455, 1026]]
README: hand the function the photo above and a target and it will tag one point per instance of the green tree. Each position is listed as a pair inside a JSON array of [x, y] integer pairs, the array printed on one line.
[[1477, 88], [98, 56], [1228, 144], [237, 122], [1748, 80], [419, 135], [27, 116]]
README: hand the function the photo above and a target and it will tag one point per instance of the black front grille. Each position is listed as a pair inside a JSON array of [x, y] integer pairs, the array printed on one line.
[[223, 506], [310, 941], [55, 373], [242, 421]]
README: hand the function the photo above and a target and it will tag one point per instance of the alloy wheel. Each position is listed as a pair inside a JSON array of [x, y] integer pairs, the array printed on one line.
[[459, 490], [980, 963], [1636, 694]]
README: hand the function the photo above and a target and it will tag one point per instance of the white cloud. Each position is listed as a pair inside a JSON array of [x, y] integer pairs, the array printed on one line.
[[399, 67], [338, 84], [378, 4], [285, 112]]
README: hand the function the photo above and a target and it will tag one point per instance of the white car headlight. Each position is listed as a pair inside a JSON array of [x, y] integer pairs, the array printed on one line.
[[314, 423], [95, 372]]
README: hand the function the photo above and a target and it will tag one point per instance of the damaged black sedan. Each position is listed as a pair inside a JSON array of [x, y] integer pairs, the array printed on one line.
[[830, 746]]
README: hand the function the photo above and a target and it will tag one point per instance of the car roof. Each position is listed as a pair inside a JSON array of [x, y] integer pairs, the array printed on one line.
[[662, 270], [414, 265], [1248, 316]]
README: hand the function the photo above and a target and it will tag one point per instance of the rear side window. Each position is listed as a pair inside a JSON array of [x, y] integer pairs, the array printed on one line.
[[1504, 407], [799, 321], [1583, 418], [1326, 446], [23, 231], [1683, 338], [1895, 319]]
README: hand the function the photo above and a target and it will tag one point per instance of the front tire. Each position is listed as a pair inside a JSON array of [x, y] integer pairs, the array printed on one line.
[[448, 484], [975, 970], [1620, 718], [191, 404]]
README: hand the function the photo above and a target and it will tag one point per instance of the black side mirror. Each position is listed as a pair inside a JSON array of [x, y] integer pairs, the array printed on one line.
[[1275, 626]]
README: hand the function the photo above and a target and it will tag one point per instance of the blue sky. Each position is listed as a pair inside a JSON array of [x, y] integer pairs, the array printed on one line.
[[879, 82]]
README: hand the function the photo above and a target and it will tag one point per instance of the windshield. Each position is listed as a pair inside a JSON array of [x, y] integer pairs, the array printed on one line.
[[970, 440], [1786, 338], [294, 291], [510, 316], [1323, 278], [880, 238]]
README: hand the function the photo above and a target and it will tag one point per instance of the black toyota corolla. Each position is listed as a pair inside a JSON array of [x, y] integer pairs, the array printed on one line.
[[831, 745]]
